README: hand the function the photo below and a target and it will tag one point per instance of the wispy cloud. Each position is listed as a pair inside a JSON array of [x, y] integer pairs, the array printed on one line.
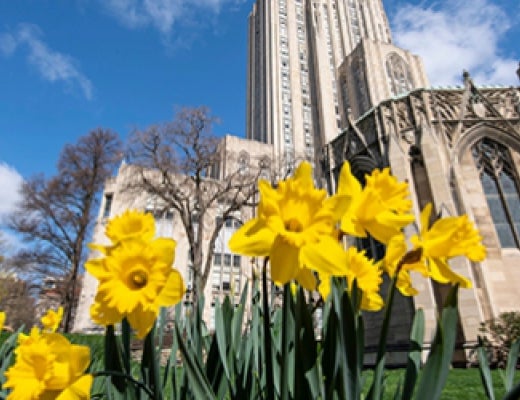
[[52, 65], [10, 181], [456, 35], [162, 14]]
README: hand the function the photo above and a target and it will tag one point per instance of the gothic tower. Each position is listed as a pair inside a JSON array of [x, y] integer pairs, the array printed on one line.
[[312, 63]]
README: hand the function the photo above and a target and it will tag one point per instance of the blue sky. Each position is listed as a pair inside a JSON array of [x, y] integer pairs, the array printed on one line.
[[69, 66]]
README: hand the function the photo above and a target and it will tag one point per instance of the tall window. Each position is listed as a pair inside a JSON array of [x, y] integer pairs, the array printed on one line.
[[500, 184], [108, 205], [398, 75]]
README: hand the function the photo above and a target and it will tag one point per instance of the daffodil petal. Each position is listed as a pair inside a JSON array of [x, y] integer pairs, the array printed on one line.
[[142, 321], [79, 390], [326, 256], [284, 261], [425, 217], [102, 314], [304, 175], [324, 286], [338, 204], [164, 249], [252, 239], [306, 278], [371, 301], [441, 272], [173, 290], [347, 183]]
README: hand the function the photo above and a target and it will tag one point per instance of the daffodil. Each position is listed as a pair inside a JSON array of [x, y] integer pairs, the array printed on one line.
[[136, 278], [295, 227], [446, 238], [131, 224], [48, 366], [51, 320], [380, 209], [2, 320], [399, 262], [367, 275]]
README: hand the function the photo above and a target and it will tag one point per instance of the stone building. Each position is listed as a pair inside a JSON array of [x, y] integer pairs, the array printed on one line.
[[327, 84], [229, 272], [459, 148]]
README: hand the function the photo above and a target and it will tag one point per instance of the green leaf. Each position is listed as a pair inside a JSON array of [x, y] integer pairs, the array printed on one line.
[[513, 394], [150, 366], [307, 374], [485, 372], [237, 322], [376, 389], [512, 359], [414, 355], [220, 333], [198, 382], [435, 372], [348, 344]]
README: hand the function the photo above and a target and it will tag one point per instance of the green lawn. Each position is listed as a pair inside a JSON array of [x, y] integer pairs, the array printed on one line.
[[462, 384]]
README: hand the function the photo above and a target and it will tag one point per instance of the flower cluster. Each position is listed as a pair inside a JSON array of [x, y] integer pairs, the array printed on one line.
[[298, 227], [135, 275], [48, 366]]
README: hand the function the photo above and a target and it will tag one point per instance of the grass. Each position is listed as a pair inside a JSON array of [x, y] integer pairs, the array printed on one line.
[[462, 384]]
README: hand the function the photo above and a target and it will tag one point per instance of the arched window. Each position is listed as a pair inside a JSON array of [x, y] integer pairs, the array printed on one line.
[[500, 184], [398, 75], [243, 163]]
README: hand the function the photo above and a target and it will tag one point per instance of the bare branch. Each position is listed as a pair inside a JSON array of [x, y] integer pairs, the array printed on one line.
[[54, 216]]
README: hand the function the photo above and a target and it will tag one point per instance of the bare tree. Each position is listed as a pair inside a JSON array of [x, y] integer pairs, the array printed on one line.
[[182, 165], [17, 302], [54, 216]]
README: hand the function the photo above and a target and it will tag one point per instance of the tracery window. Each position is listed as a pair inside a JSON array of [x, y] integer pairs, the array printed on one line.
[[500, 184], [398, 74]]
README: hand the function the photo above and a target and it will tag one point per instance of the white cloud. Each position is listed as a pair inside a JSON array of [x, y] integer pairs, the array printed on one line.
[[454, 35], [161, 14], [51, 65], [7, 44], [10, 183]]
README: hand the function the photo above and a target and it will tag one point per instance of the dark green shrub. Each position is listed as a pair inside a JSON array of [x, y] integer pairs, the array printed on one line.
[[498, 335]]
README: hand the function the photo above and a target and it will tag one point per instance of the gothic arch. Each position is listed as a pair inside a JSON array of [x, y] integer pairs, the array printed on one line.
[[492, 152], [398, 74], [480, 131], [361, 165]]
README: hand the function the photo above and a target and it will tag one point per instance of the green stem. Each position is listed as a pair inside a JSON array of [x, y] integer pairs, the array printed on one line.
[[286, 329], [268, 347], [125, 336]]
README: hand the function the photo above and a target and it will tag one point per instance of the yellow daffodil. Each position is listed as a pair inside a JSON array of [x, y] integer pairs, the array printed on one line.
[[48, 366], [397, 262], [51, 321], [446, 238], [380, 209], [2, 320], [131, 225], [295, 227], [135, 279], [367, 275]]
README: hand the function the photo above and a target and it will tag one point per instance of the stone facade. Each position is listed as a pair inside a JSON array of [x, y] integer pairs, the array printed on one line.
[[230, 272], [443, 142]]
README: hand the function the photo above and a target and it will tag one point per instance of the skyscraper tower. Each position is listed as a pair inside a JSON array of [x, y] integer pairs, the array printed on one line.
[[314, 63]]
